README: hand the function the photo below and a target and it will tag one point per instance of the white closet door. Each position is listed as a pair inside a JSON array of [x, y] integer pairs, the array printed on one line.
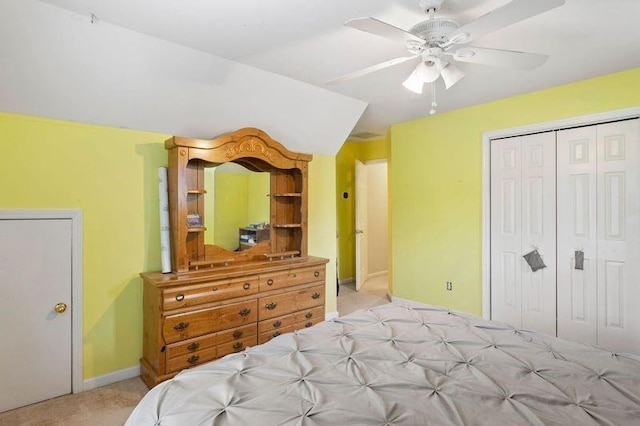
[[577, 288], [506, 230], [618, 186], [539, 231], [523, 219]]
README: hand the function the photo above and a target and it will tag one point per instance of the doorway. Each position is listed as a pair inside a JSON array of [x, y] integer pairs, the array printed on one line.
[[40, 279], [370, 237]]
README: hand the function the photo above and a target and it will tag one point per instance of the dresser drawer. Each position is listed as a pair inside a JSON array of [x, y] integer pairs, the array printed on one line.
[[193, 324], [189, 360], [192, 345], [237, 346], [268, 335], [286, 303], [291, 277], [315, 314], [178, 297], [277, 323], [237, 333], [306, 324]]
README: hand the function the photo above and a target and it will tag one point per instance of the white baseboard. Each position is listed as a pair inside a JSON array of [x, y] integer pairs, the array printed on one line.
[[346, 281], [109, 378], [401, 300], [331, 315], [377, 274]]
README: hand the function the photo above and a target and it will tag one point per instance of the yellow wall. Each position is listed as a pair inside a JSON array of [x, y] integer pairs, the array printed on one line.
[[230, 208], [111, 175], [258, 204], [345, 182], [436, 184], [322, 219]]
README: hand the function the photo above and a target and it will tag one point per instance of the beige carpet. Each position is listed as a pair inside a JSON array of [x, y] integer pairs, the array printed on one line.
[[372, 293], [105, 406], [111, 405]]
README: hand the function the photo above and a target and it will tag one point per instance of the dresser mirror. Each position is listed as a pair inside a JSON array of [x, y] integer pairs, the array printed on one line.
[[236, 198], [207, 230]]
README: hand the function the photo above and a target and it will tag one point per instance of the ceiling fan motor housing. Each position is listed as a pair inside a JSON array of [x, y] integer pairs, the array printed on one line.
[[434, 30]]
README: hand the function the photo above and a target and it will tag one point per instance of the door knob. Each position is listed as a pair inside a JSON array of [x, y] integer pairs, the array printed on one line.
[[358, 231], [60, 307]]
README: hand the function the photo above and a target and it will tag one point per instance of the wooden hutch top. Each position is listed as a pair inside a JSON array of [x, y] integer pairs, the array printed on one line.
[[256, 151]]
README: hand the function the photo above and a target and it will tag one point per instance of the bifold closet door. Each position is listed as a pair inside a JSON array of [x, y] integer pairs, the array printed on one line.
[[599, 214], [523, 219]]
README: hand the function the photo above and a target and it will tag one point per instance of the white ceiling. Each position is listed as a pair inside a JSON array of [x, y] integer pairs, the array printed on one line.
[[305, 40]]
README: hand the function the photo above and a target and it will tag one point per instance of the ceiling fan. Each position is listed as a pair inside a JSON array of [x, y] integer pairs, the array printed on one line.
[[437, 41]]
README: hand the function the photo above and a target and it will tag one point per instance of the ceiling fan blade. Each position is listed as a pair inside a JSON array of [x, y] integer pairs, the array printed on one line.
[[499, 58], [515, 11], [370, 69], [382, 29]]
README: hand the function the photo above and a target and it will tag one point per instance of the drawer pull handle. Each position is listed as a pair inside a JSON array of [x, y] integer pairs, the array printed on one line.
[[181, 326], [309, 324], [293, 275], [214, 289], [237, 345], [237, 334], [271, 306], [276, 334], [193, 359], [316, 274], [308, 315], [246, 286], [245, 312], [180, 297], [277, 324], [194, 346], [269, 281], [315, 295]]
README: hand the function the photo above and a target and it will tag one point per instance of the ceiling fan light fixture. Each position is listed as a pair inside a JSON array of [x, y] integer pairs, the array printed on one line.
[[428, 71], [451, 74], [414, 83]]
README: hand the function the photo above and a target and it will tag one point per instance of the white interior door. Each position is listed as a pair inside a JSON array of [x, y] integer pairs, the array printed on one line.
[[618, 224], [35, 276], [506, 230], [539, 231], [361, 235], [523, 220], [577, 288]]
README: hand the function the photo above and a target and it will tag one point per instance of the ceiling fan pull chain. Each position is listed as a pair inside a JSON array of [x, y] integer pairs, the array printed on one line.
[[434, 104]]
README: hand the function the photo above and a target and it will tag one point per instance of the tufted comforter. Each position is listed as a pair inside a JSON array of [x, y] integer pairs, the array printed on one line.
[[404, 364]]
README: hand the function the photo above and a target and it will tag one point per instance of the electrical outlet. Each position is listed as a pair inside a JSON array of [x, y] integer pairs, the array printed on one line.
[[449, 285]]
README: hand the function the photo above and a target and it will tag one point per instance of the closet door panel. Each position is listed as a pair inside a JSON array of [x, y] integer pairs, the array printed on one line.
[[618, 239], [576, 186], [506, 232], [539, 231]]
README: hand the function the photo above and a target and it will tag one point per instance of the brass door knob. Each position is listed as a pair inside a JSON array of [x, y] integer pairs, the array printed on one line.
[[60, 307]]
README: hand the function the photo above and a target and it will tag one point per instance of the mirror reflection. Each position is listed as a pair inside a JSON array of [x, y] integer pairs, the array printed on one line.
[[236, 206]]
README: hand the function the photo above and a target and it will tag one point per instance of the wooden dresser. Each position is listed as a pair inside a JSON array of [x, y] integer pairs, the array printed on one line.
[[219, 300], [191, 319]]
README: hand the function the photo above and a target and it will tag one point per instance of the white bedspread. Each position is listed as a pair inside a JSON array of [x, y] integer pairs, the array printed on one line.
[[404, 364]]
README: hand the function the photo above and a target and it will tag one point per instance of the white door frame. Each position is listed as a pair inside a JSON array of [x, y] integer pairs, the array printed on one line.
[[584, 120], [75, 216], [361, 230]]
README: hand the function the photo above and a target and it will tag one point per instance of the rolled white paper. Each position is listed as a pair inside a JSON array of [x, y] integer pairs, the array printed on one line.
[[165, 247]]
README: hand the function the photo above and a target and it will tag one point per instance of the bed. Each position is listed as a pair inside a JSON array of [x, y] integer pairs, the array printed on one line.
[[404, 364]]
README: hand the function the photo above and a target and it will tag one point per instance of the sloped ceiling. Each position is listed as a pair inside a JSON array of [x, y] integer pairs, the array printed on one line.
[[204, 67], [58, 64]]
